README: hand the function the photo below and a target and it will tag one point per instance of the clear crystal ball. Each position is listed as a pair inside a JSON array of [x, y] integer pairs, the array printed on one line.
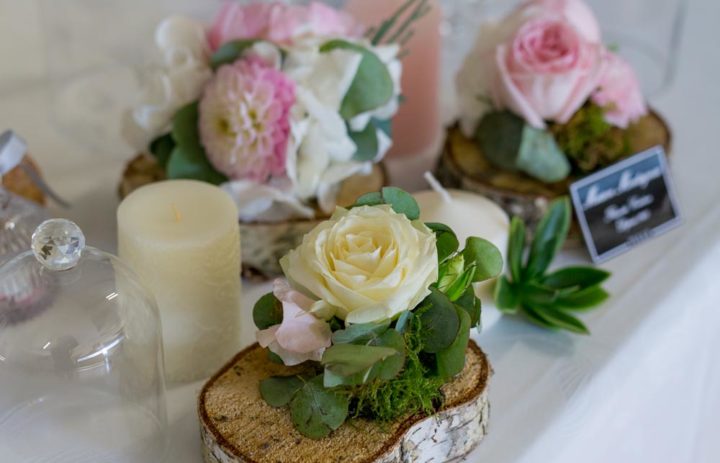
[[58, 244]]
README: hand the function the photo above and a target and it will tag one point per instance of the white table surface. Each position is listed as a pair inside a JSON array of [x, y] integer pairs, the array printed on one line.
[[644, 387]]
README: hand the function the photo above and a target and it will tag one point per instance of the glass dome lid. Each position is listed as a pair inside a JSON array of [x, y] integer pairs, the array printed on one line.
[[81, 362]]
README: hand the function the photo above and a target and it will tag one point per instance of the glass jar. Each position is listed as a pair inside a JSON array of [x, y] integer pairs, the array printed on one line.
[[81, 362]]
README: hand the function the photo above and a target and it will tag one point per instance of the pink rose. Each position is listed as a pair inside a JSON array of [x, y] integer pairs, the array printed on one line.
[[280, 23], [546, 71], [301, 336], [576, 12], [619, 93]]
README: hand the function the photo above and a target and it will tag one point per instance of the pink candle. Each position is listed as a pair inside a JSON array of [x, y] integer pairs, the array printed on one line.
[[416, 128]]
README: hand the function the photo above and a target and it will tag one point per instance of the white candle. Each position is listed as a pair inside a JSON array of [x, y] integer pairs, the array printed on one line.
[[182, 238], [468, 214]]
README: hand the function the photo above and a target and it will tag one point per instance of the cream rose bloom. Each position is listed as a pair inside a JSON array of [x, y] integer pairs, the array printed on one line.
[[368, 263]]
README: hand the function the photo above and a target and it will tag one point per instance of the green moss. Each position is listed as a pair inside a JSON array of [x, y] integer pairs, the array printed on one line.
[[415, 390], [589, 141]]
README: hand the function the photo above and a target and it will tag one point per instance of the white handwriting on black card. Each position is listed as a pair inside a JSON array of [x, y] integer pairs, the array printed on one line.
[[628, 181]]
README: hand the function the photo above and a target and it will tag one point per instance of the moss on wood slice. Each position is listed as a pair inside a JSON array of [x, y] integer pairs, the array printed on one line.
[[238, 426], [463, 165]]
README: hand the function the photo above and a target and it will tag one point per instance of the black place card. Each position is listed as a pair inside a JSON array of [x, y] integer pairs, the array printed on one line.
[[625, 204]]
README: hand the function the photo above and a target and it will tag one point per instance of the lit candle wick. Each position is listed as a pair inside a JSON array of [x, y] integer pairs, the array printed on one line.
[[437, 186], [178, 215]]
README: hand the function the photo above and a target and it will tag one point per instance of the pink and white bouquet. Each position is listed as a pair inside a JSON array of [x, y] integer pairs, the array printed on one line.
[[278, 104], [545, 67]]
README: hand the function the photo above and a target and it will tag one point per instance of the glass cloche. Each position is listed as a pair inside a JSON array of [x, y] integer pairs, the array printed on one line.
[[81, 362]]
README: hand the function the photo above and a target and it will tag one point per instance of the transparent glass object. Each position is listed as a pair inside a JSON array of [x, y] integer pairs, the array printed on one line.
[[18, 219], [81, 362], [646, 32]]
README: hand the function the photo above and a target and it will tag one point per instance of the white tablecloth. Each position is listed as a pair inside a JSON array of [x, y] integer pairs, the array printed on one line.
[[644, 387]]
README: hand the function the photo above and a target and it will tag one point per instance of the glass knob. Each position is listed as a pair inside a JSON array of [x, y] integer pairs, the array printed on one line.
[[58, 244]]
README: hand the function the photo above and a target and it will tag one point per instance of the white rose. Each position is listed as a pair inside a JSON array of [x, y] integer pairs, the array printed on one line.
[[368, 263]]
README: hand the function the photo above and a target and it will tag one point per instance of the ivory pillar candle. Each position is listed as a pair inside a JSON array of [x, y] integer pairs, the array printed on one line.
[[417, 126], [468, 214], [182, 238]]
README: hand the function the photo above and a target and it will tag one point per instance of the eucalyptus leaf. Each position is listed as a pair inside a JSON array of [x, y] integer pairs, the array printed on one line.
[[372, 86], [370, 199], [540, 156], [439, 322], [161, 148], [366, 142], [278, 391], [402, 202], [185, 125], [472, 305], [390, 367], [230, 52], [317, 411], [485, 256], [350, 359], [451, 361], [499, 135], [360, 334], [447, 241], [403, 321], [268, 312]]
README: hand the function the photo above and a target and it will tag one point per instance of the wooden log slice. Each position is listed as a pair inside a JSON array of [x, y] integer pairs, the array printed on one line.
[[262, 244], [463, 165], [238, 426]]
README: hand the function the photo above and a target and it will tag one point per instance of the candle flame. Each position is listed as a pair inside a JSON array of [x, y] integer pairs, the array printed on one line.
[[176, 212], [437, 186]]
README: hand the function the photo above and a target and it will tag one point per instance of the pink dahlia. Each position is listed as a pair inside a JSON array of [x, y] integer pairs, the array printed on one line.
[[244, 120]]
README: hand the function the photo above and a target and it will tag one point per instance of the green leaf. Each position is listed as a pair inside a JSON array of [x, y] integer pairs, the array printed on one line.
[[580, 277], [549, 237], [451, 361], [278, 391], [360, 334], [268, 311], [439, 322], [559, 319], [584, 299], [461, 284], [230, 52], [516, 247], [486, 257], [537, 318], [367, 143], [403, 321], [185, 125], [188, 159], [161, 148], [511, 144], [350, 359], [372, 86], [392, 366], [538, 294], [540, 157], [472, 305], [507, 299], [370, 199], [499, 135], [402, 202], [317, 411], [447, 242]]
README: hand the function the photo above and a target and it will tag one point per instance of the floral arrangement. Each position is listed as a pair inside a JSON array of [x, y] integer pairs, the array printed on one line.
[[543, 95], [276, 103], [379, 306]]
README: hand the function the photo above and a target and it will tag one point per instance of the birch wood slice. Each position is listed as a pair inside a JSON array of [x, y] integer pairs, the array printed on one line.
[[262, 244], [463, 165], [237, 426]]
